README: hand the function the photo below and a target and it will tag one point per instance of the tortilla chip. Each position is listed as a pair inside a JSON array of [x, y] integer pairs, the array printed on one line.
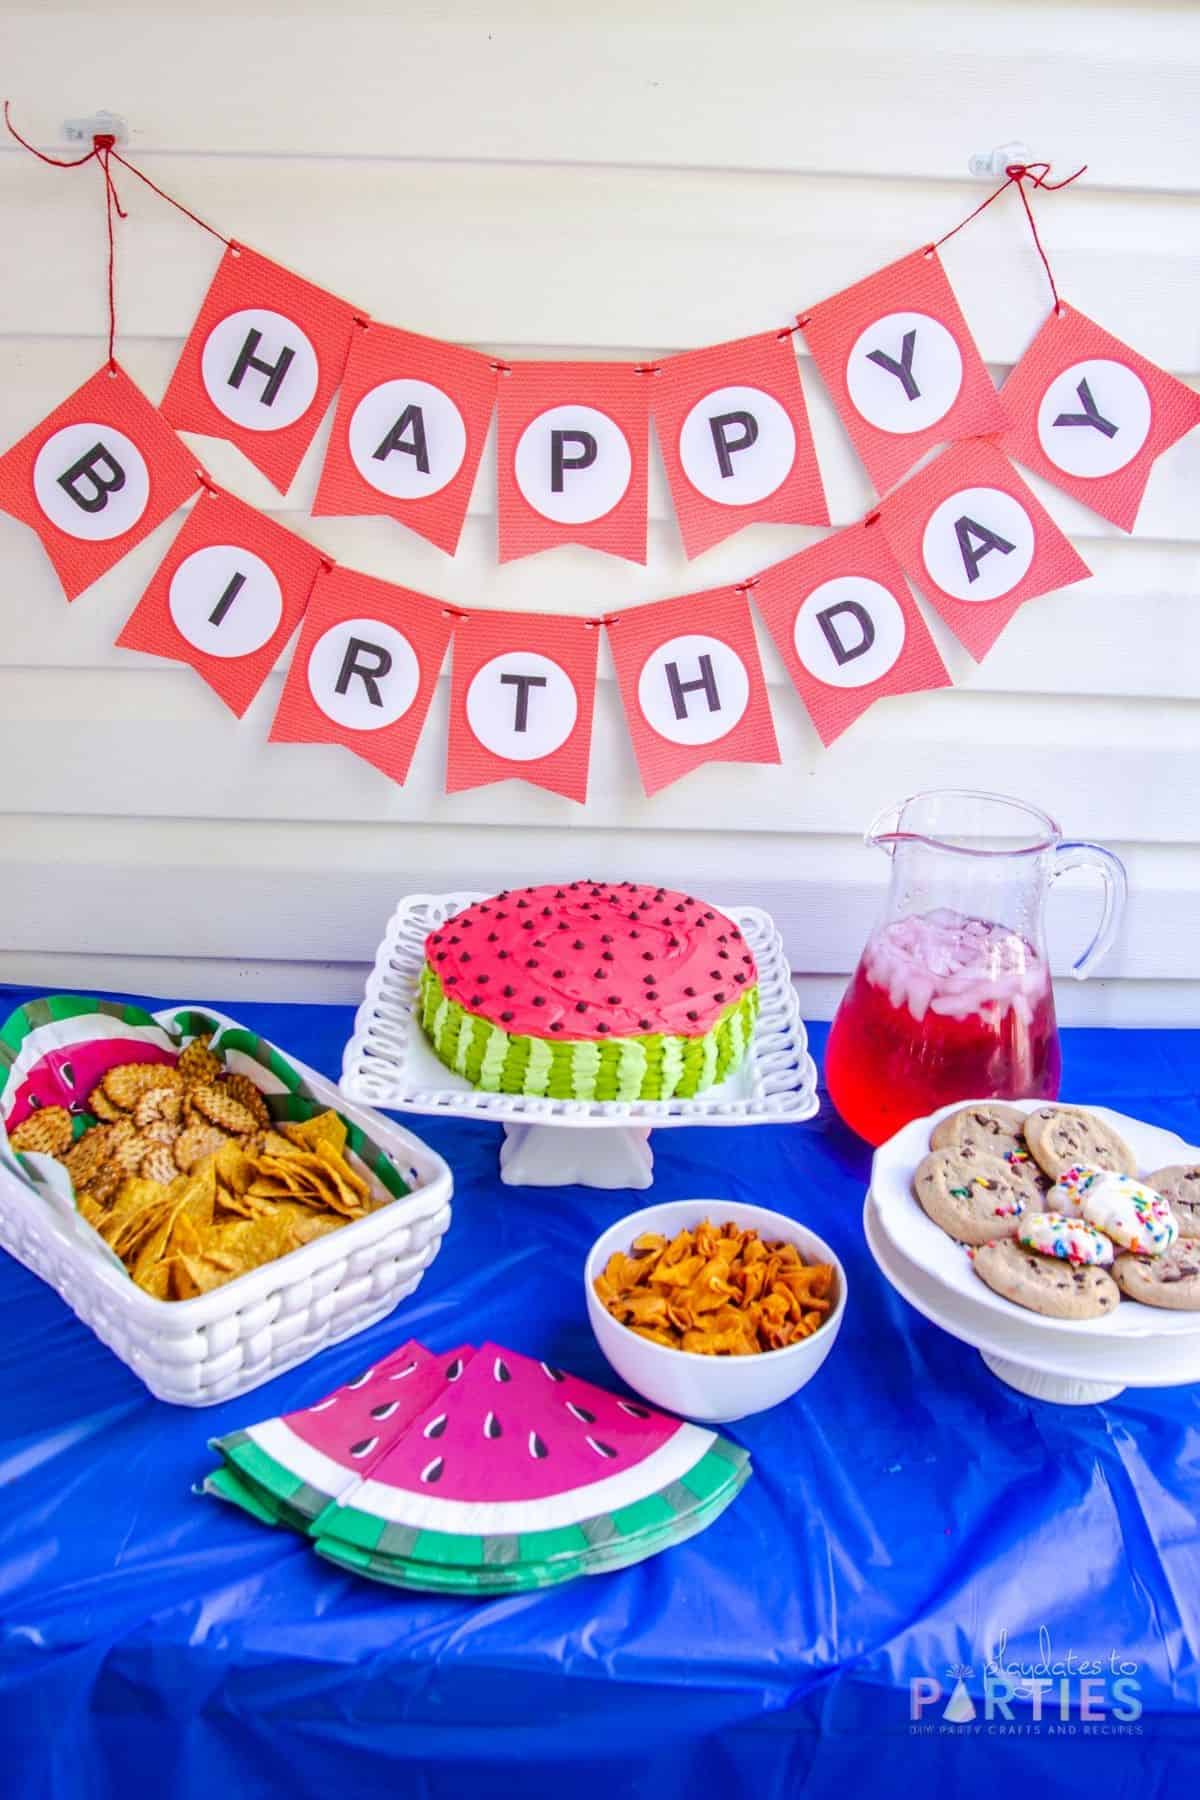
[[325, 1128]]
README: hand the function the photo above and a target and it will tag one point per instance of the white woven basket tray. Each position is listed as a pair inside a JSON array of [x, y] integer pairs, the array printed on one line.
[[221, 1344]]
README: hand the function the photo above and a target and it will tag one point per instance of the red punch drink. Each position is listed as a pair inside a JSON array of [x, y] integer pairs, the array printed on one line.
[[941, 1008]]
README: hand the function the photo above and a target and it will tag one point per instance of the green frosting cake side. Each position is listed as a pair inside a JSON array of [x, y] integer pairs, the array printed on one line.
[[655, 1067]]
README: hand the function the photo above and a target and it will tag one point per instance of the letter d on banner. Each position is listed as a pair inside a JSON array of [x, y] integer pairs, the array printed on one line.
[[692, 685], [364, 671]]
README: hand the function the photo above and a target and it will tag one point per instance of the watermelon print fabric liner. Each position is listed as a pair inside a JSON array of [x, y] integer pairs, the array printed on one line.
[[479, 1472]]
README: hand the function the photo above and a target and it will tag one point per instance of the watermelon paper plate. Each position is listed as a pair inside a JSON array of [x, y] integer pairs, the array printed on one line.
[[479, 1472]]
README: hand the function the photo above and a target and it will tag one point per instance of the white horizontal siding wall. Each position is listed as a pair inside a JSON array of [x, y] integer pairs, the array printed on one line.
[[598, 181]]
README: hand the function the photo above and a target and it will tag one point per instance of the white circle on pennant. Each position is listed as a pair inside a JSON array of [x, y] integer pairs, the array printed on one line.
[[91, 482], [363, 674], [744, 431], [573, 464], [958, 539], [258, 399], [522, 706], [931, 365], [225, 601], [706, 671], [849, 631], [1112, 395], [398, 426]]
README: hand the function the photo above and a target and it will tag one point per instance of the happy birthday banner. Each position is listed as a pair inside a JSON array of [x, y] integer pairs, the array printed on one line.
[[269, 352]]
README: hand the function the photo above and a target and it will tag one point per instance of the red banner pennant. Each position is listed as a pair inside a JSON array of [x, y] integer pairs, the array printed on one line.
[[902, 367], [522, 690], [971, 535], [364, 670], [735, 439], [572, 444], [261, 362], [227, 596], [1091, 415], [99, 474], [692, 685], [411, 419], [847, 627]]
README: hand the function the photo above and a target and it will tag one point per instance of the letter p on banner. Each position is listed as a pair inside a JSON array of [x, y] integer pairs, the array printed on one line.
[[692, 685], [364, 670], [521, 698], [100, 473]]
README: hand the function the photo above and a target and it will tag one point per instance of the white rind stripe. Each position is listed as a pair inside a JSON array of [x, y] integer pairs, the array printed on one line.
[[479, 1518], [309, 1464]]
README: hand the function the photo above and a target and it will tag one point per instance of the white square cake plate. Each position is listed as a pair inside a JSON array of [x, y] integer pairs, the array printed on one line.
[[389, 1062]]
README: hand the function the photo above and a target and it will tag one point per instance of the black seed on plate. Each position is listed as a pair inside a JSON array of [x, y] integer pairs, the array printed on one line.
[[455, 1369], [435, 1427], [500, 1370], [581, 1413], [600, 1448], [491, 1426], [385, 1411], [433, 1471], [554, 1374], [364, 1446], [536, 1447], [635, 1412]]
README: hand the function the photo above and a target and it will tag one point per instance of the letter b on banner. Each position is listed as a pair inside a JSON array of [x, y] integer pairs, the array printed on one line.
[[91, 481], [693, 689], [363, 674]]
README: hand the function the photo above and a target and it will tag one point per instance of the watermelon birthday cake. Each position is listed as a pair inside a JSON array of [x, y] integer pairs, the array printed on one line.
[[590, 990]]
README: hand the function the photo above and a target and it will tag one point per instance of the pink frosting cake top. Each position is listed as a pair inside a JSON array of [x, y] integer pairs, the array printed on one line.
[[593, 959]]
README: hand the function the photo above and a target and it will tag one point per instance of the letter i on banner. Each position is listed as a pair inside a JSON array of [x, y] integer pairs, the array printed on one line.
[[971, 535], [227, 596], [692, 685], [261, 362], [100, 473], [364, 670], [735, 438], [522, 690], [412, 416], [1091, 415], [572, 444], [902, 367], [847, 627]]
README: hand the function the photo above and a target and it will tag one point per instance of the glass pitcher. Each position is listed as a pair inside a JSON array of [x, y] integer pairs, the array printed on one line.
[[952, 999]]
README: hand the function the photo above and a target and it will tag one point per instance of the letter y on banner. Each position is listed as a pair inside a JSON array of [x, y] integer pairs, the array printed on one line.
[[572, 443], [261, 362], [897, 356], [364, 670], [521, 697], [100, 473], [692, 685], [847, 627]]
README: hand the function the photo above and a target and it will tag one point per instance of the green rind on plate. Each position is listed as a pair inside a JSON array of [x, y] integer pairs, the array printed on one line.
[[658, 1066], [249, 1461]]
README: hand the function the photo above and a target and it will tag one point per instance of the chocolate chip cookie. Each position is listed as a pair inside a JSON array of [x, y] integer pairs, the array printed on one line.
[[1046, 1284], [973, 1198], [989, 1129], [1179, 1185], [1171, 1280], [1060, 1136]]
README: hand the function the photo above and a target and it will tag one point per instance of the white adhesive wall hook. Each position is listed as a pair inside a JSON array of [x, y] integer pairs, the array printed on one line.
[[82, 131], [993, 163]]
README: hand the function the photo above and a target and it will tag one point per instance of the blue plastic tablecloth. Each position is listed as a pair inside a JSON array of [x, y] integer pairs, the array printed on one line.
[[909, 1518]]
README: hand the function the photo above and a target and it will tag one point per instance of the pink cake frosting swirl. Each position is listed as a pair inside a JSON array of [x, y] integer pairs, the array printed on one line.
[[593, 959]]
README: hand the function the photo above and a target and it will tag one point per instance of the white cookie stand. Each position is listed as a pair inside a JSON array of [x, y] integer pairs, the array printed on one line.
[[389, 1062], [1075, 1362]]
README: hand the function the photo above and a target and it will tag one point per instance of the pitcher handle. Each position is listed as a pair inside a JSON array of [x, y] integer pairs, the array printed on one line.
[[1112, 873]]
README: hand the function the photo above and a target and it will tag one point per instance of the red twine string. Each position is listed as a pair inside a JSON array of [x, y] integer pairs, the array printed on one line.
[[1016, 175], [103, 150], [170, 199]]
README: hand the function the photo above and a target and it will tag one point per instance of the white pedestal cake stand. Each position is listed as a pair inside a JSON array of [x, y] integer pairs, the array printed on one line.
[[551, 1143]]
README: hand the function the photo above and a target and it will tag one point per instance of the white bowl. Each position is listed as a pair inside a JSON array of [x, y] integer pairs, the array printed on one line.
[[714, 1389]]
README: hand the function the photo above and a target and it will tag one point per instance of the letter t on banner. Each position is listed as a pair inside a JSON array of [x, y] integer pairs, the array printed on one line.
[[521, 697], [572, 445], [692, 685], [364, 670]]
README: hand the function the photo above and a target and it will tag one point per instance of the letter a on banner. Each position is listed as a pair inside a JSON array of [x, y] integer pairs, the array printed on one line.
[[227, 596], [735, 438], [1091, 415], [521, 697], [96, 477], [261, 363], [411, 420], [971, 535], [364, 670], [692, 685], [572, 444], [847, 627], [902, 367]]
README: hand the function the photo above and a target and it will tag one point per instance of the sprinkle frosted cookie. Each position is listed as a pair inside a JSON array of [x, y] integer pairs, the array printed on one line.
[[972, 1198], [1045, 1284], [1130, 1213], [1179, 1185], [1069, 1240], [1060, 1137], [1171, 1280], [988, 1130]]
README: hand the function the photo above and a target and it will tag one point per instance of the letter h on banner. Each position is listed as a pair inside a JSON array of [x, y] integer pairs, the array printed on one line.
[[692, 685], [522, 690]]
